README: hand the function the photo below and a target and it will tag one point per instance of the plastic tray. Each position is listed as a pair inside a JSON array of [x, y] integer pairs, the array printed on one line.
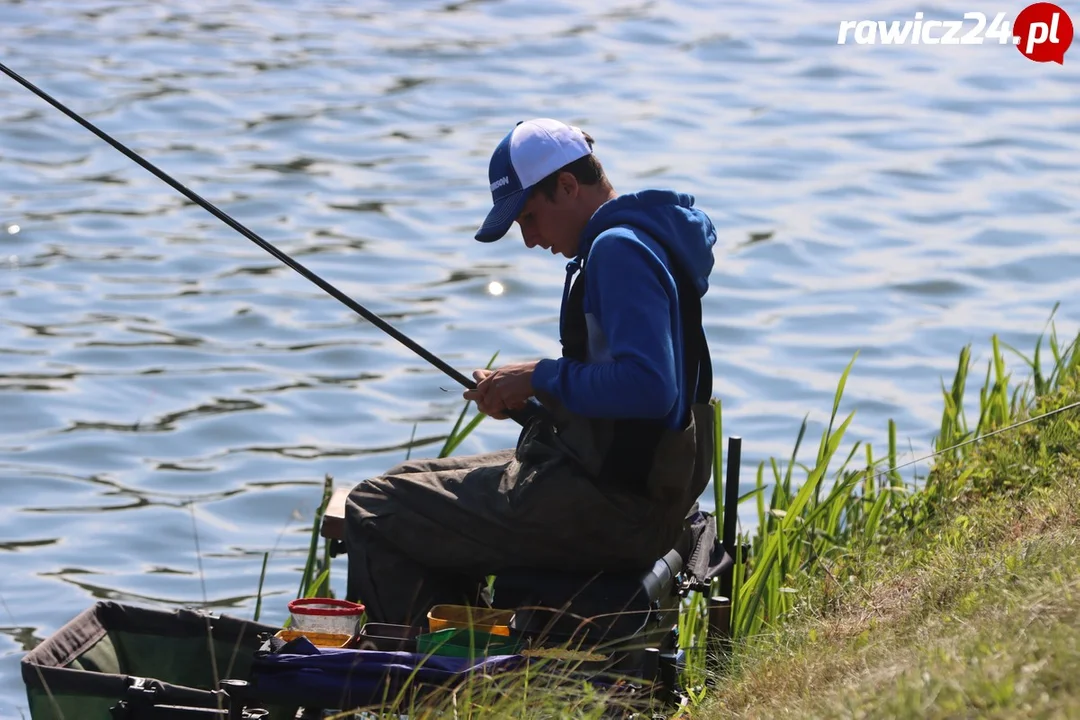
[[455, 642], [330, 640], [496, 622], [387, 637]]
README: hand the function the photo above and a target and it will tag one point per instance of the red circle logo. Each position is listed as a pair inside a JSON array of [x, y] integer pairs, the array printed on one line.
[[1043, 32]]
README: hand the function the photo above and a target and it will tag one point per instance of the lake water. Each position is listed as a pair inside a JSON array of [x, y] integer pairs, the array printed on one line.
[[171, 395]]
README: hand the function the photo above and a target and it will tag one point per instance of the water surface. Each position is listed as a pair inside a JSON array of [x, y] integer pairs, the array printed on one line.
[[171, 395]]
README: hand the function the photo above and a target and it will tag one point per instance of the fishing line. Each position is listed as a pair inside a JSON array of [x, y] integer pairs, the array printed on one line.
[[978, 439]]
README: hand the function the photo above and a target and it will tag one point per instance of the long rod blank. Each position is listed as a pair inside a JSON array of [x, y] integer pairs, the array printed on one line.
[[228, 220]]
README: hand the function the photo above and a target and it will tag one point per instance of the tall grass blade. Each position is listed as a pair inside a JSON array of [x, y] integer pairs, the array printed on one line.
[[453, 439], [1055, 349], [873, 519], [760, 495], [313, 546], [451, 446], [1070, 365], [320, 585], [198, 551], [870, 481], [794, 454], [258, 593], [831, 504], [747, 495], [894, 474], [1000, 415], [457, 434], [985, 408], [412, 439], [836, 502], [836, 402]]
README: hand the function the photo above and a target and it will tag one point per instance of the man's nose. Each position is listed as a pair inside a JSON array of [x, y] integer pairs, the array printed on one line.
[[531, 240]]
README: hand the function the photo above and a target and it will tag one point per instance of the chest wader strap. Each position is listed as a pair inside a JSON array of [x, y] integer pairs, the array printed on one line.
[[629, 456]]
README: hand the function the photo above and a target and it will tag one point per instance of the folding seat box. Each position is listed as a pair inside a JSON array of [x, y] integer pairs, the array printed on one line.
[[114, 655]]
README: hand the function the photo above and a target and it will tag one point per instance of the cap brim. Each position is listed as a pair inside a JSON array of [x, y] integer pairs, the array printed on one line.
[[501, 217]]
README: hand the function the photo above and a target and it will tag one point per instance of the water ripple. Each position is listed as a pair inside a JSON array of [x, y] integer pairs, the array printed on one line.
[[162, 379]]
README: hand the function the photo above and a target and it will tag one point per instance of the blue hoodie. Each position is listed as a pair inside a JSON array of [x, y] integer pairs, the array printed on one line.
[[634, 364]]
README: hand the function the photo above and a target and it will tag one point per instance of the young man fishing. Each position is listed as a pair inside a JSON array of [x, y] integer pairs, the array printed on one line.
[[604, 480]]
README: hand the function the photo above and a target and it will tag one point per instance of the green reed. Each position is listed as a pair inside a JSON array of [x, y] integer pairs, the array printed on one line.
[[315, 580], [459, 433]]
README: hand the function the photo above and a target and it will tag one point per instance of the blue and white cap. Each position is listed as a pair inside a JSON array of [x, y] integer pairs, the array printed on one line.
[[529, 153]]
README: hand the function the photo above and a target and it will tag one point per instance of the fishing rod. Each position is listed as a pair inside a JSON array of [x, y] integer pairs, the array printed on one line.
[[531, 409]]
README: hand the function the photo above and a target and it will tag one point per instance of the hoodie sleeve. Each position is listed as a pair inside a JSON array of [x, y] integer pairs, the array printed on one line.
[[630, 291]]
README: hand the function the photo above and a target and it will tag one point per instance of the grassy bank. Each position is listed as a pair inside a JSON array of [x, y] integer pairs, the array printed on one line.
[[965, 601]]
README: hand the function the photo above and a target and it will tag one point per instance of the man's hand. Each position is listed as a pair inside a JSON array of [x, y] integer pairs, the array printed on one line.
[[486, 399], [507, 388]]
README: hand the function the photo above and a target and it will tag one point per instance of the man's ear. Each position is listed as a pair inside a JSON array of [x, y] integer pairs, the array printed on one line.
[[568, 184]]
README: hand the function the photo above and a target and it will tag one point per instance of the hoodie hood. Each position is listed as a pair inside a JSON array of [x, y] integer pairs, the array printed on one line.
[[671, 219]]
